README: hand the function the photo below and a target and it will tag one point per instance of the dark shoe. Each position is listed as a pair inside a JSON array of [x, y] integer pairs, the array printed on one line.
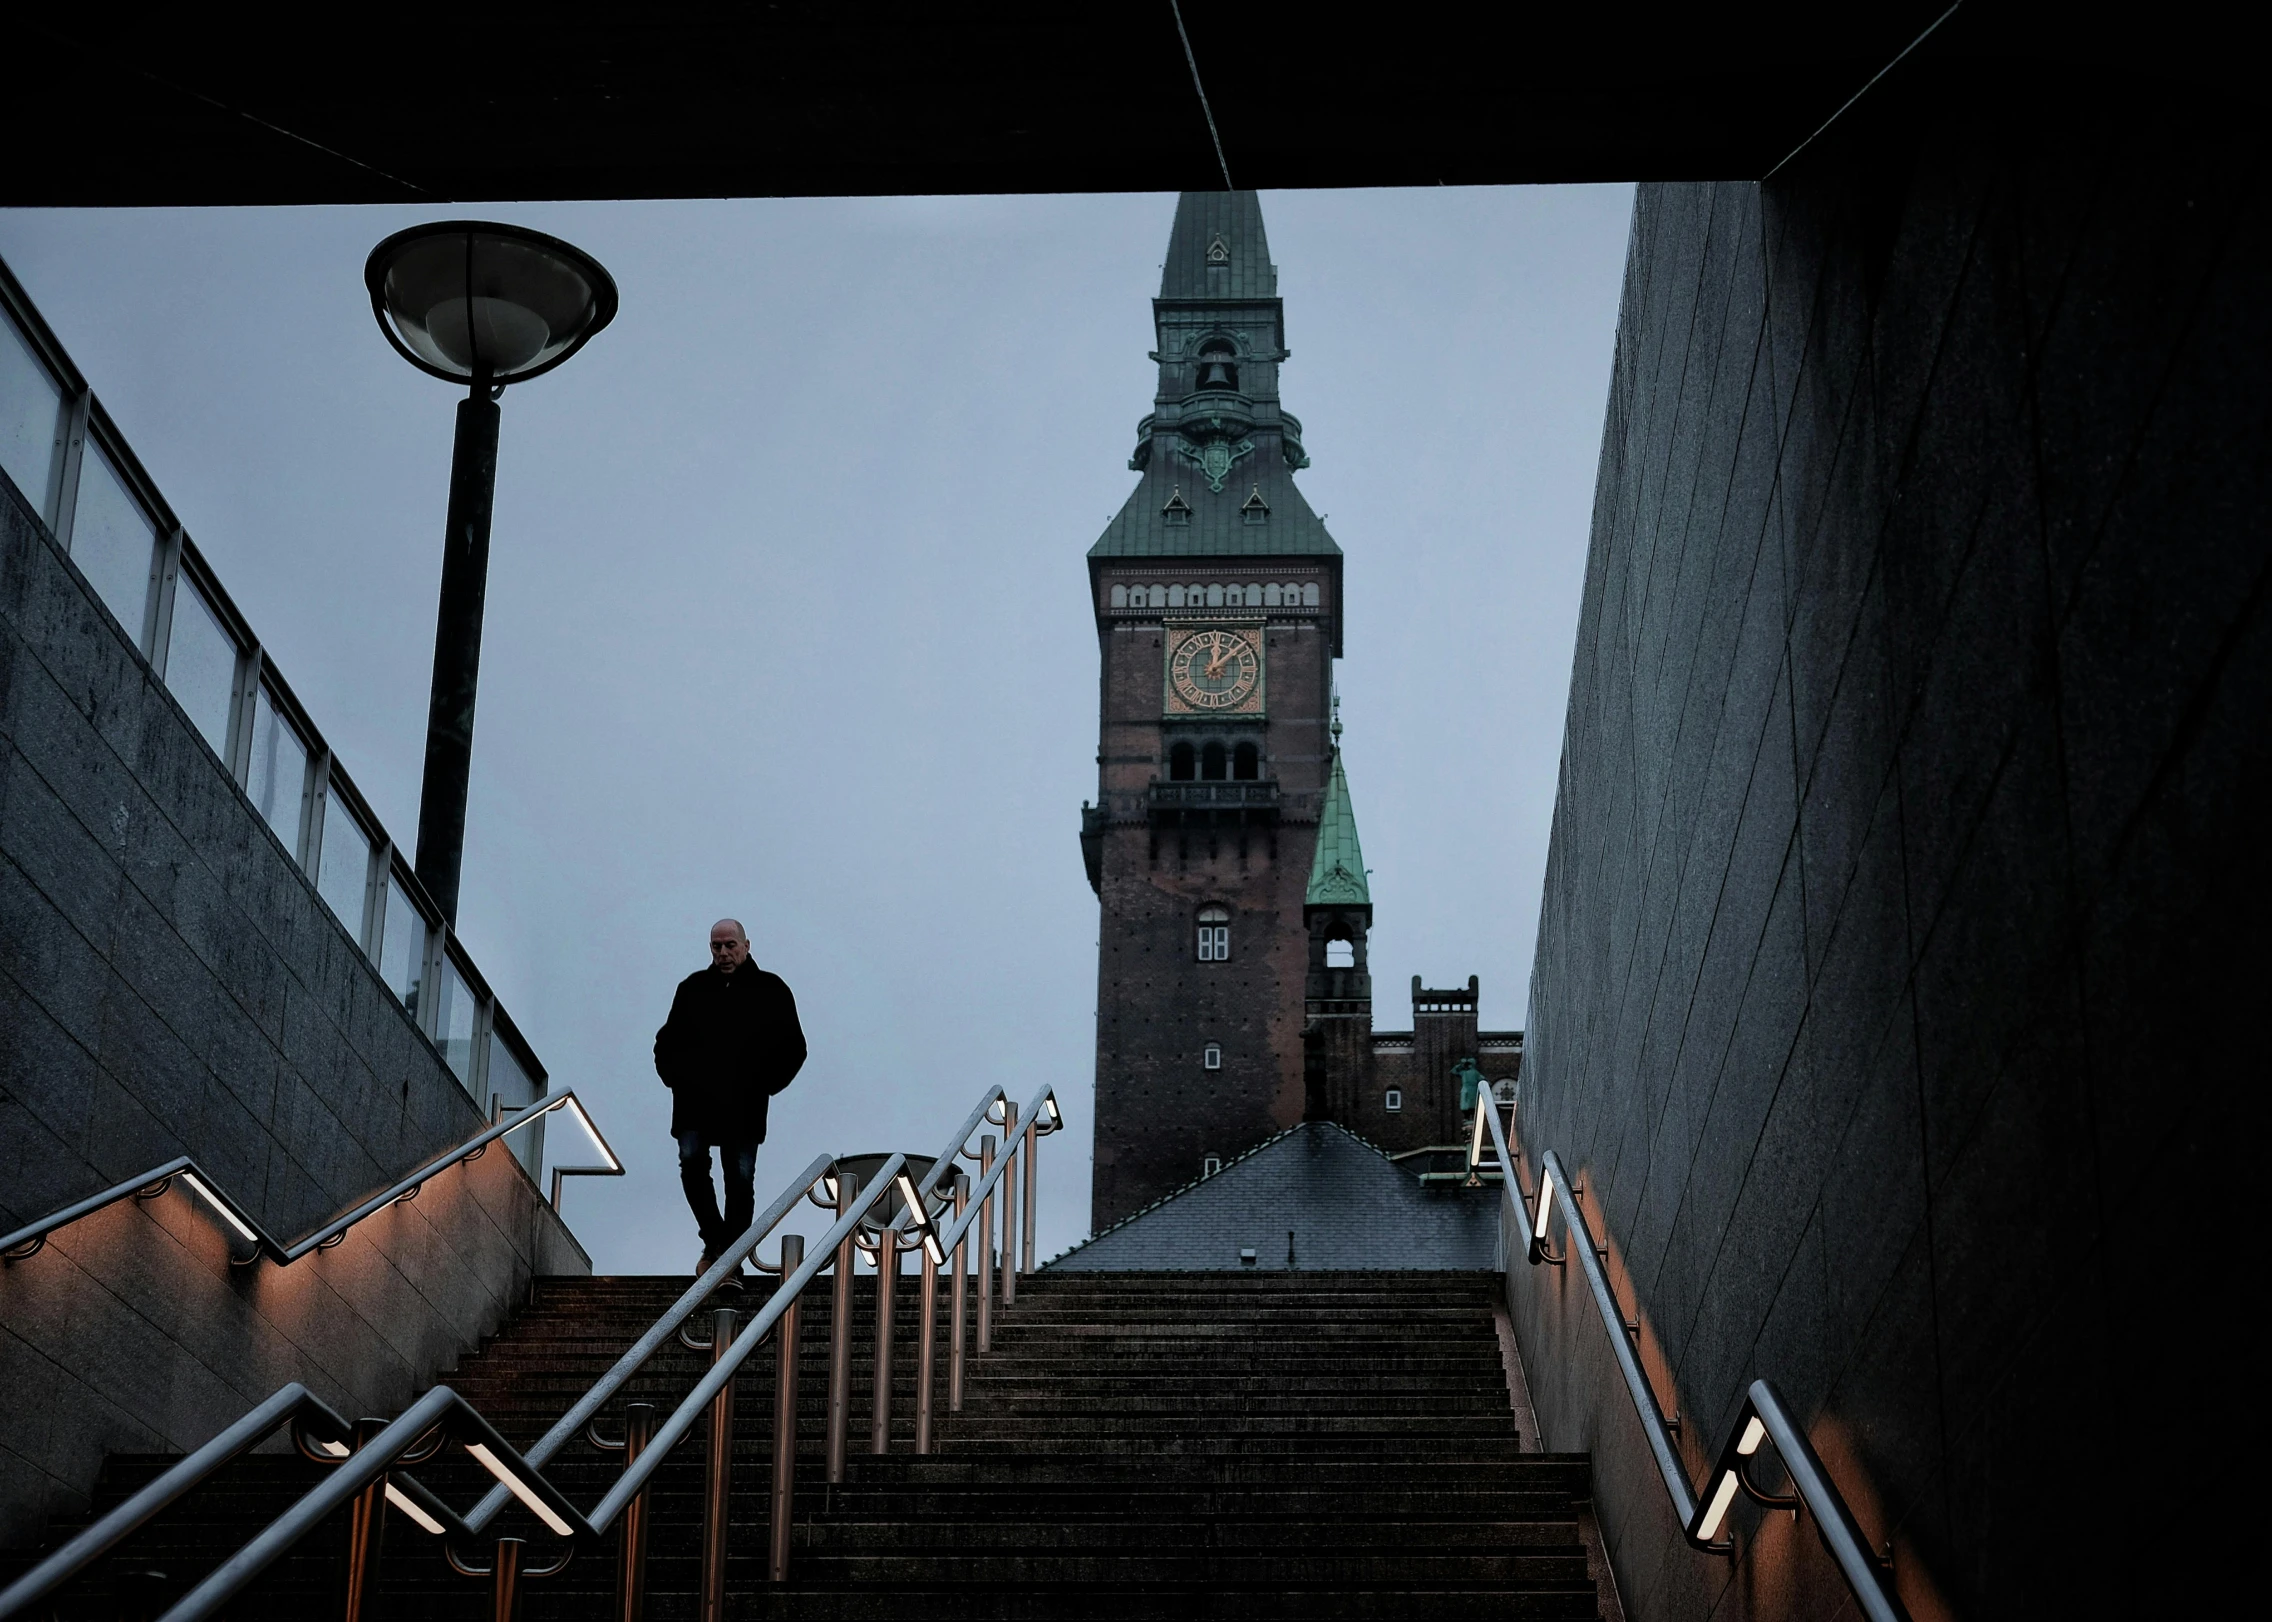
[[709, 1260]]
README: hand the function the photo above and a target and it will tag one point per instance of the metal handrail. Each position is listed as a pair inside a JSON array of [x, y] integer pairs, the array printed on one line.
[[1764, 1417], [29, 1240], [373, 1468], [292, 1404]]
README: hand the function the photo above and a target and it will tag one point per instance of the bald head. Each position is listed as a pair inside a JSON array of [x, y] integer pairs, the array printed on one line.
[[729, 947]]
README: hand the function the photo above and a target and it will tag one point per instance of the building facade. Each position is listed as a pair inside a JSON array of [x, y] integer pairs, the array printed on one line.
[[1224, 1012]]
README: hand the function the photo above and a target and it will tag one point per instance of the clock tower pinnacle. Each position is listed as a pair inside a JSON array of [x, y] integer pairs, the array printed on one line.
[[1217, 595]]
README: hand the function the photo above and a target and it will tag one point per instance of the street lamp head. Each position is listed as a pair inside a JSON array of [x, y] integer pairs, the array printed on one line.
[[484, 304]]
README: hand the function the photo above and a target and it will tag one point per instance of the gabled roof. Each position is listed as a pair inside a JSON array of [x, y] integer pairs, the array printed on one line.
[[1216, 526], [1337, 872], [1345, 1203]]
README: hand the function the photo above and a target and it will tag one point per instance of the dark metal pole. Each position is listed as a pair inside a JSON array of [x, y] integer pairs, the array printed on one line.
[[631, 1563], [926, 1350], [505, 1593], [785, 1411], [962, 1252], [887, 1275], [366, 1531], [985, 1226], [1009, 1208], [719, 1485], [457, 650], [840, 1336]]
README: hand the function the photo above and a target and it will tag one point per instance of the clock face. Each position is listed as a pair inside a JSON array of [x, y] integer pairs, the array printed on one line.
[[1214, 670]]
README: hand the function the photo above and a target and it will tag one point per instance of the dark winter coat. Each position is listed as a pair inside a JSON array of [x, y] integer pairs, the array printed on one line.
[[731, 1043]]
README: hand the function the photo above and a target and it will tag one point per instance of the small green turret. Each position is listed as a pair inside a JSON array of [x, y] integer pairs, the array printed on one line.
[[1337, 873]]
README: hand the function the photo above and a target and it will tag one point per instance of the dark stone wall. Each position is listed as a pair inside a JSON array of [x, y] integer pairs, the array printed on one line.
[[1905, 927], [170, 983]]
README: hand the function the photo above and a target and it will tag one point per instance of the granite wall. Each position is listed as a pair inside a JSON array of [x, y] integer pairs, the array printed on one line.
[[170, 983], [1897, 992]]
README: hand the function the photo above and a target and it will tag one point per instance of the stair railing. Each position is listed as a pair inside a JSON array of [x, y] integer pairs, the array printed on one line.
[[255, 1241], [1765, 1417], [372, 1457]]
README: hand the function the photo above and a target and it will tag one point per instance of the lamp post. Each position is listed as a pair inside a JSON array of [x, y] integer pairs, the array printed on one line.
[[484, 305]]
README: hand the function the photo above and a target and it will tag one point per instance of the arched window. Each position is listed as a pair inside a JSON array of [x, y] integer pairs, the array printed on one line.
[[1253, 595], [1309, 595], [1270, 595], [1179, 763], [1120, 596], [1211, 763], [1218, 364], [1246, 763], [1175, 596], [1340, 955], [1159, 596], [1503, 1090], [1214, 936], [1215, 596]]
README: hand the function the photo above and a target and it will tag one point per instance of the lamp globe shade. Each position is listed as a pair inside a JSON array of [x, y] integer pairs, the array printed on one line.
[[470, 300]]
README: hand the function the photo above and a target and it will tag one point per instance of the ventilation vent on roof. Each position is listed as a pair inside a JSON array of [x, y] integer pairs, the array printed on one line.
[[1218, 251], [1254, 509], [1177, 510]]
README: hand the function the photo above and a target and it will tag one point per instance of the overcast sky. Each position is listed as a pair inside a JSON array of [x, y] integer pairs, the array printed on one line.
[[759, 552]]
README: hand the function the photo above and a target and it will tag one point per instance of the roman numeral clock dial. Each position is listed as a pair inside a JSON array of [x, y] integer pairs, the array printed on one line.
[[1215, 670]]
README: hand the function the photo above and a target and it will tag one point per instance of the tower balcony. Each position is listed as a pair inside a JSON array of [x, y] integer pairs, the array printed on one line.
[[1213, 802]]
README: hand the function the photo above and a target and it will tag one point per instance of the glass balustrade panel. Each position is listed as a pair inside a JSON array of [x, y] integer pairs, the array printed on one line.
[[276, 775], [343, 871], [512, 1086], [402, 947], [454, 1011], [113, 541], [201, 664], [31, 418]]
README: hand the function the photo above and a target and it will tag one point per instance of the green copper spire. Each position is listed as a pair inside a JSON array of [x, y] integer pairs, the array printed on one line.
[[1337, 876]]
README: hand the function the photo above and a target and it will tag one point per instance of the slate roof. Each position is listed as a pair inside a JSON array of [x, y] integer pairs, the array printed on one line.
[[1345, 1202], [1337, 872], [1236, 218]]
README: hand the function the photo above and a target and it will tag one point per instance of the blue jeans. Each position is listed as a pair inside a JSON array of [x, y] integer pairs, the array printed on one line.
[[738, 1161]]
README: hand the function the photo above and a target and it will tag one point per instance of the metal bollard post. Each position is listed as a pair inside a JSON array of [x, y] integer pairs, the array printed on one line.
[[840, 1336], [926, 1348], [366, 1530], [1009, 1208], [785, 1413], [954, 1351], [887, 1276], [1032, 1137], [985, 1226], [505, 1603], [631, 1551], [719, 1482]]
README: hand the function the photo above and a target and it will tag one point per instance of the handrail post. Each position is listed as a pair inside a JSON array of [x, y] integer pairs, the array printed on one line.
[[926, 1348], [887, 1276], [366, 1529], [962, 1248], [840, 1335], [785, 1413], [986, 1249], [505, 1604], [1026, 1237], [1009, 1208], [719, 1480], [631, 1551]]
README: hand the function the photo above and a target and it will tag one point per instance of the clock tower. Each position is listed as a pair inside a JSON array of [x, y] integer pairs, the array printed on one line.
[[1217, 595]]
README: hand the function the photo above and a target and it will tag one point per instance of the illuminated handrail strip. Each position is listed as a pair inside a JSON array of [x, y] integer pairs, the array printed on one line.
[[27, 1241], [1764, 1418]]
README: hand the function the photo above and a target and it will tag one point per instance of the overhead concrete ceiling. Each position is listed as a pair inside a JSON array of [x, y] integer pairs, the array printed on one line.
[[490, 102]]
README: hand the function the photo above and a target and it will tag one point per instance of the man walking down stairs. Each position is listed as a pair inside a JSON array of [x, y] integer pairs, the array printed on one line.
[[1136, 1445]]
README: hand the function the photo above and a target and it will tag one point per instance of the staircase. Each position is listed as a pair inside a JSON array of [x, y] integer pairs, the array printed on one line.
[[1173, 1445]]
